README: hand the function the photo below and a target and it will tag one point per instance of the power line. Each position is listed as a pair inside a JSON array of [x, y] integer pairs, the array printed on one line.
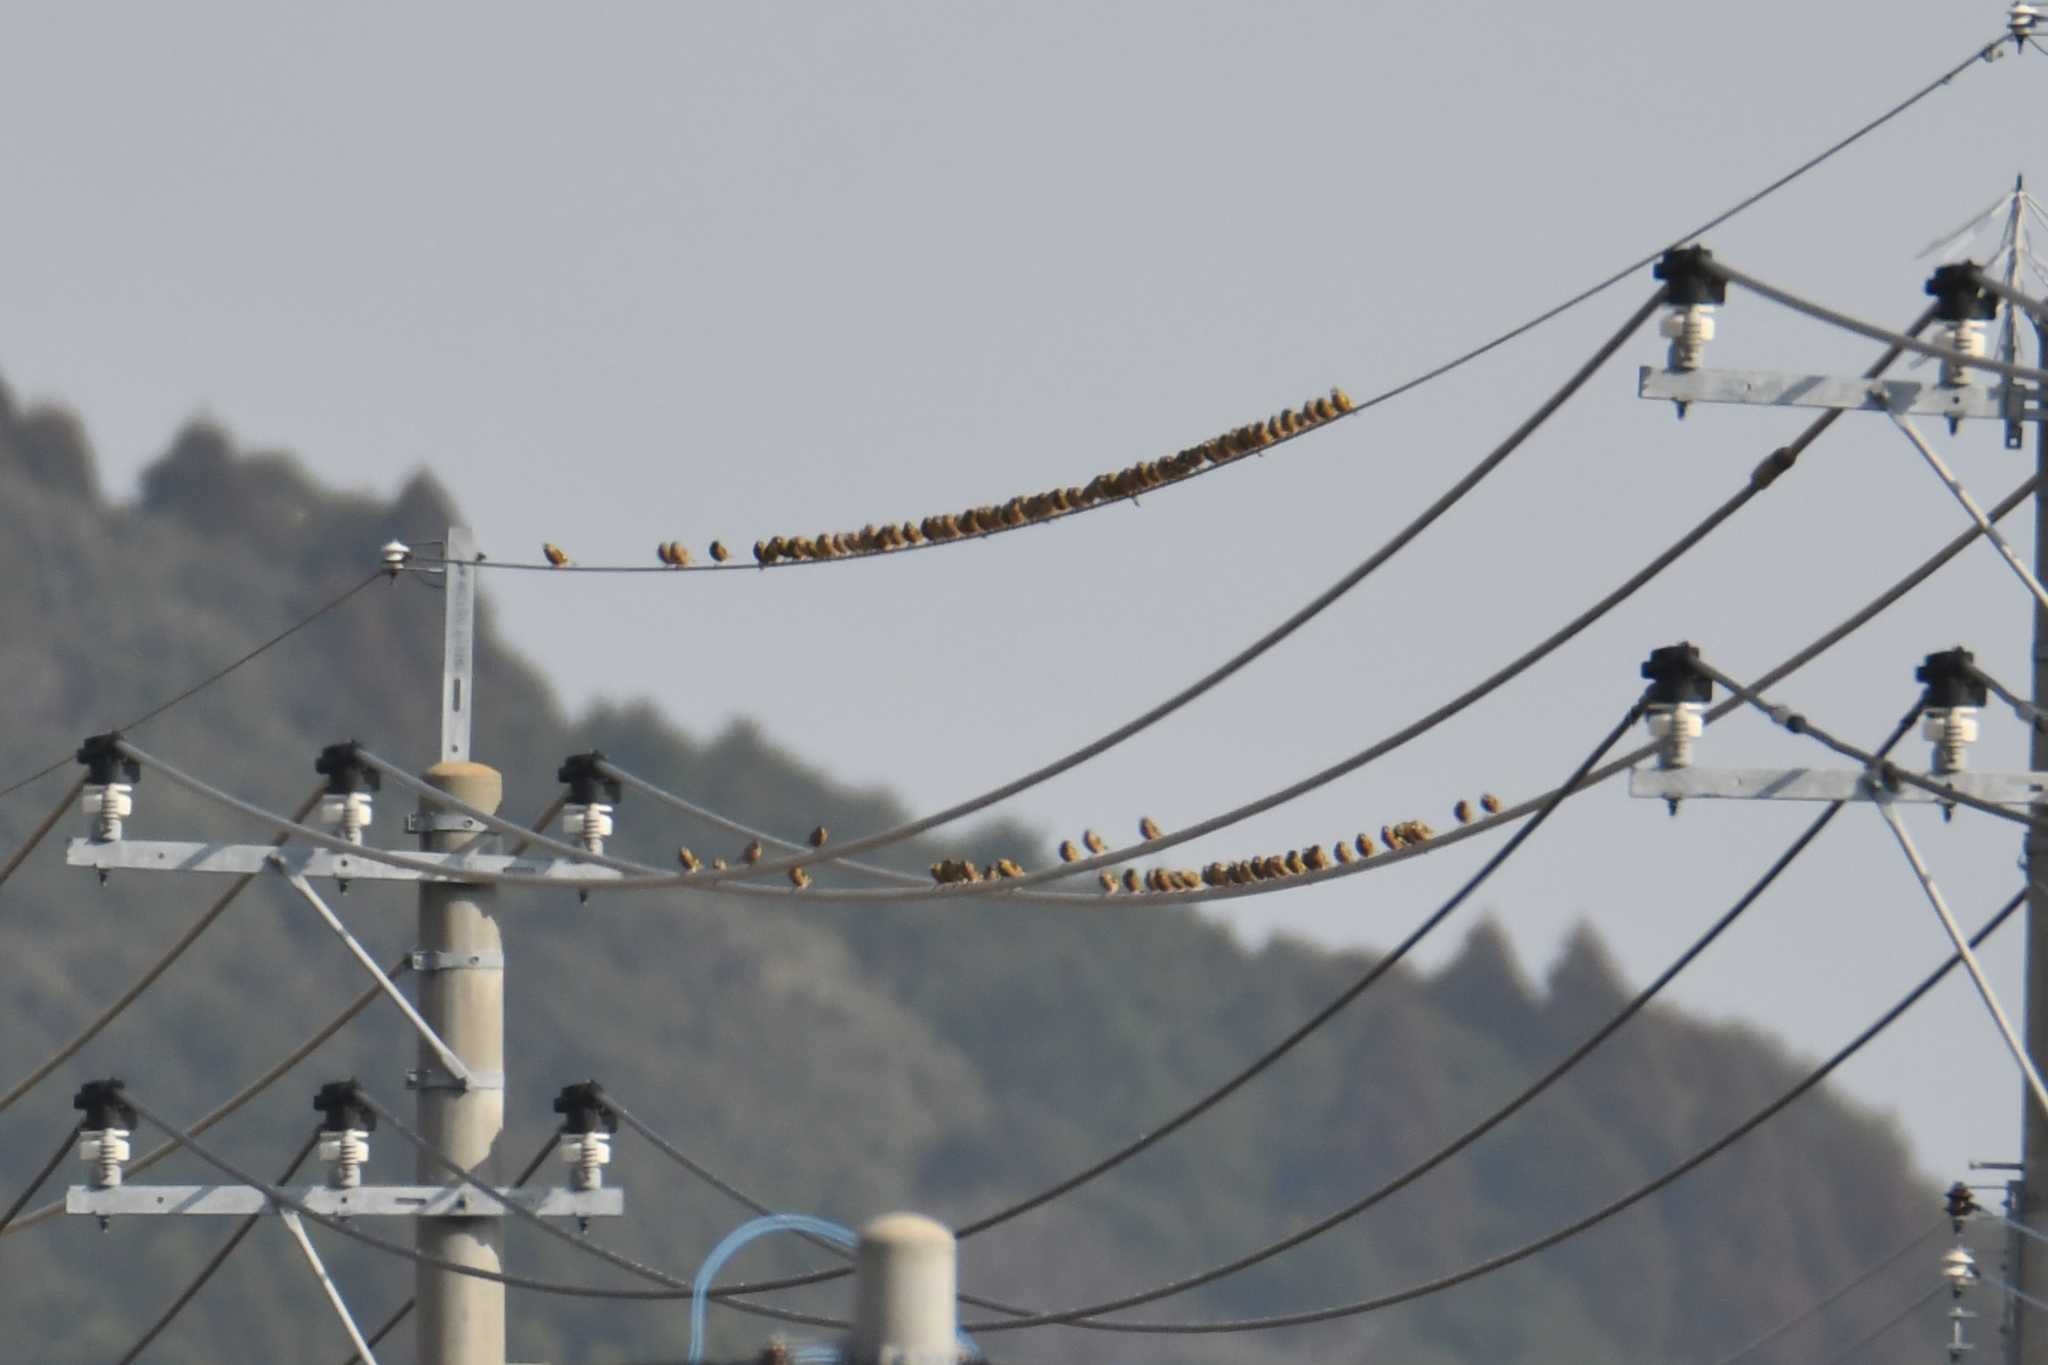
[[56, 1158], [41, 831], [148, 977], [1405, 386], [214, 1263], [1479, 1130], [196, 688], [1834, 1296], [1586, 1222], [1884, 1327]]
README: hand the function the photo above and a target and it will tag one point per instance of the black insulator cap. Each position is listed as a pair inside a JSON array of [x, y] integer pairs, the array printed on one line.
[[588, 786], [1688, 278], [343, 767], [1676, 676], [343, 1107], [1959, 1201], [104, 1105], [584, 1109], [1957, 295], [1952, 680], [104, 763]]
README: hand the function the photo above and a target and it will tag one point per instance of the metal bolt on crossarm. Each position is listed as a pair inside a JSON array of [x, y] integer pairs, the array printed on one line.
[[345, 805], [108, 797], [103, 1140], [588, 1121], [587, 815], [1693, 290], [346, 1122], [1955, 693]]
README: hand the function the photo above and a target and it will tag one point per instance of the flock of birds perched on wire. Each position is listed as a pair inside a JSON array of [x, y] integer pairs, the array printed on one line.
[[1241, 872], [1128, 482]]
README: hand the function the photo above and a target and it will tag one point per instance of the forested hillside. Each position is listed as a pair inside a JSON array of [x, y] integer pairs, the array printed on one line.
[[833, 1060]]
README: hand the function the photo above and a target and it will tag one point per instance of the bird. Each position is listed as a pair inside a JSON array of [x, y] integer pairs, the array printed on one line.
[[1148, 827], [1132, 882], [1109, 883], [557, 557], [1094, 841], [819, 836], [1315, 859], [1340, 400], [1364, 846], [719, 864], [1463, 810], [1295, 866], [1390, 836], [761, 553], [719, 552], [1490, 804], [690, 861], [1007, 867], [1342, 850], [1069, 853], [799, 878], [752, 852]]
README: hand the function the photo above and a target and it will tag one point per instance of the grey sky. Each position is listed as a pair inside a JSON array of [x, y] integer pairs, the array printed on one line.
[[682, 271]]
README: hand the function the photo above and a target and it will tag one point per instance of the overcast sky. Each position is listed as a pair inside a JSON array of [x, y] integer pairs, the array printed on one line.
[[669, 271]]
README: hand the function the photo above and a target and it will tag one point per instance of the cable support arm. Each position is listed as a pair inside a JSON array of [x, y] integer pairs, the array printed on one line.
[[1577, 1226], [1969, 505]]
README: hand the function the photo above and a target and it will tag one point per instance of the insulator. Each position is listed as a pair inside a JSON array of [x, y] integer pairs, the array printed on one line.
[[1689, 329], [589, 1153], [347, 813], [1675, 727], [1958, 1266], [107, 804], [2020, 20], [1967, 337], [104, 1149], [591, 824], [395, 555], [345, 1152], [1951, 730]]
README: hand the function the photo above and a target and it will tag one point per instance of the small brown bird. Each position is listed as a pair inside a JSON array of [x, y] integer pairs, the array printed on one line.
[[1148, 827], [1463, 811], [1132, 882], [761, 554], [799, 878], [1007, 867], [690, 861], [1094, 841], [1109, 883], [1315, 859], [1342, 850], [557, 557], [1364, 846], [1390, 836], [1069, 853], [819, 836], [752, 852], [718, 864], [719, 552], [1340, 400], [1295, 866], [1490, 804], [1155, 880], [939, 873]]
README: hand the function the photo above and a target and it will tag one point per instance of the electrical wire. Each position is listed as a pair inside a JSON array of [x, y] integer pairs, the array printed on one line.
[[405, 1309], [1861, 1343], [1456, 362], [2027, 303], [1836, 1295], [56, 1158], [41, 831], [2021, 707], [1528, 1094], [2010, 1292], [227, 1108], [148, 977], [217, 675], [283, 1199], [1588, 1221], [1833, 318], [214, 1263]]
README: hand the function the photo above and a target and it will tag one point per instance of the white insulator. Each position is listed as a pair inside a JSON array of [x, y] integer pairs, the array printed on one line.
[[395, 554], [591, 824], [107, 805], [589, 1153], [1675, 728], [104, 1149], [1689, 329], [346, 813], [345, 1152], [904, 1280], [1951, 730], [2020, 19], [1959, 1266], [1967, 337]]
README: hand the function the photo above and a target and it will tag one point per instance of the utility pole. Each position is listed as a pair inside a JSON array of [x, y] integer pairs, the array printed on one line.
[[2031, 1346], [460, 964]]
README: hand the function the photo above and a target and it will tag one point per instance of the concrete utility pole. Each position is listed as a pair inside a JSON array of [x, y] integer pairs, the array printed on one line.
[[2031, 1347], [460, 963]]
